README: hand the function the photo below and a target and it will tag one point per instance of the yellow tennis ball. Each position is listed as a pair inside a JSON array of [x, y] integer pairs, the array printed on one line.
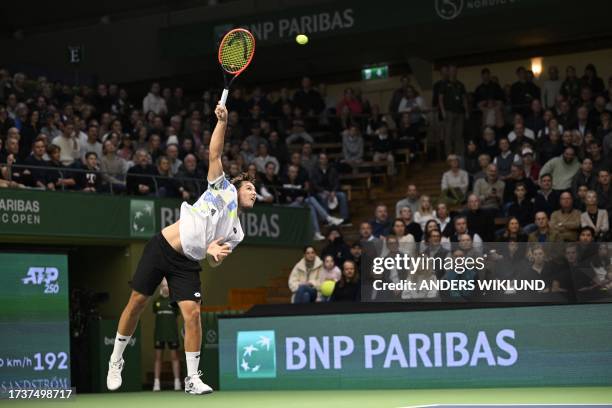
[[327, 288], [301, 39]]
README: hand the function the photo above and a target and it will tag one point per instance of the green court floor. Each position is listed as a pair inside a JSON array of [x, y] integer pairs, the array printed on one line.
[[336, 399]]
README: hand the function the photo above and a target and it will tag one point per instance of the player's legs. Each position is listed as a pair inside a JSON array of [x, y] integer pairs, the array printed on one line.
[[131, 313], [193, 341]]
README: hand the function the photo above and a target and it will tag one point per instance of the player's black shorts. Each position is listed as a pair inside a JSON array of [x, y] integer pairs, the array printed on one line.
[[172, 345], [160, 260]]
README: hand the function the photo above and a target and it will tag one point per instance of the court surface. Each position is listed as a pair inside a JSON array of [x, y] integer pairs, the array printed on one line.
[[566, 397]]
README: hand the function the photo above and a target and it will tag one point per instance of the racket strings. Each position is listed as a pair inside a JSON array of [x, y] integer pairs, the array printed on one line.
[[236, 51]]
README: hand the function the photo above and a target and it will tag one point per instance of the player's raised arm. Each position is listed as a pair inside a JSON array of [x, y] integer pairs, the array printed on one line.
[[217, 141]]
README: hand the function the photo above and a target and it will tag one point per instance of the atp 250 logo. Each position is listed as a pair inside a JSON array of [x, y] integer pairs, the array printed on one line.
[[41, 275]]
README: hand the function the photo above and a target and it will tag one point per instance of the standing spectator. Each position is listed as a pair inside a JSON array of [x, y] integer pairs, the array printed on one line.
[[562, 169], [489, 98], [305, 280], [523, 92], [570, 88], [113, 167], [140, 177], [454, 109], [348, 288], [381, 224], [594, 217], [566, 220], [591, 80], [490, 190], [551, 88], [543, 233], [153, 102], [455, 182], [352, 146], [326, 187], [412, 200], [89, 180], [425, 211], [68, 144], [308, 99]]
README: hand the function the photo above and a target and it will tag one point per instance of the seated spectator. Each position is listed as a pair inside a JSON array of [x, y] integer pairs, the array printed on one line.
[[469, 275], [68, 144], [336, 247], [92, 144], [190, 179], [255, 138], [504, 159], [348, 288], [546, 198], [356, 253], [519, 135], [62, 178], [352, 146], [425, 283], [412, 200], [263, 195], [434, 248], [550, 147], [406, 241], [538, 270], [296, 160], [166, 185], [460, 227], [566, 220], [517, 175], [154, 102], [513, 232], [271, 181], [471, 162], [489, 144], [530, 167], [278, 149], [381, 225], [126, 147], [594, 217], [140, 177], [480, 221], [308, 159], [594, 150], [443, 219], [305, 278], [326, 187], [371, 245], [90, 180], [490, 190], [604, 190], [37, 176], [455, 182], [584, 176], [297, 129], [521, 207], [383, 149], [308, 98], [425, 211], [263, 158], [172, 154], [562, 169], [6, 172], [351, 102], [543, 233], [412, 227], [113, 167], [329, 272], [580, 201]]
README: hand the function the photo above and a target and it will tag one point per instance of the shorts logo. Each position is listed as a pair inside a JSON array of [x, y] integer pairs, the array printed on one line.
[[256, 354], [197, 294]]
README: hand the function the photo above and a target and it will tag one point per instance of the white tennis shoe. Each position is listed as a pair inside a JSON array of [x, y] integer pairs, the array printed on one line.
[[195, 386], [113, 378]]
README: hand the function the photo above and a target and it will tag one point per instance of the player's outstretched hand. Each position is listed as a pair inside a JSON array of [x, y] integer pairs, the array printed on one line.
[[221, 112], [217, 251]]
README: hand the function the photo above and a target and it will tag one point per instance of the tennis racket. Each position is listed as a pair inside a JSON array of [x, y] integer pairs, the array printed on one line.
[[235, 54]]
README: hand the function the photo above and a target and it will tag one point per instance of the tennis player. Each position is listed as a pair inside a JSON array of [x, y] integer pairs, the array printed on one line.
[[209, 229]]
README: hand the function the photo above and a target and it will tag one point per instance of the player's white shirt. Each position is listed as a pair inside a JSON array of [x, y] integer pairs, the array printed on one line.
[[214, 215]]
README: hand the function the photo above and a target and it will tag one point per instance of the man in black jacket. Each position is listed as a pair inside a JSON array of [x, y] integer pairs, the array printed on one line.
[[140, 176], [480, 221], [325, 185], [188, 175]]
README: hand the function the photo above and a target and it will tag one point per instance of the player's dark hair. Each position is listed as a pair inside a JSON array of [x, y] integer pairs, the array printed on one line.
[[241, 179]]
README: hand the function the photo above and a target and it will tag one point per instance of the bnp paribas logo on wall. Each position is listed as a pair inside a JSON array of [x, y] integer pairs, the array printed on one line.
[[142, 218], [256, 354]]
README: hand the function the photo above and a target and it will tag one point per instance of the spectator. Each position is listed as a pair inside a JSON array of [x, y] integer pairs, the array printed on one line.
[[530, 167], [523, 91], [413, 104], [381, 225], [521, 207], [594, 217], [580, 201], [263, 158], [153, 102], [398, 94], [566, 220], [255, 138], [383, 149], [406, 241], [113, 167], [599, 162], [584, 176], [351, 102], [489, 98], [348, 288], [562, 169], [470, 160], [484, 160], [165, 183], [172, 153], [352, 146], [336, 247], [36, 159], [278, 148], [92, 144], [425, 211], [520, 134], [412, 200], [371, 245], [189, 179], [490, 190], [551, 88], [453, 106], [68, 144], [546, 199], [591, 80], [296, 160], [412, 227], [603, 190], [550, 147], [489, 144], [271, 181], [543, 233], [308, 98], [505, 159], [460, 227], [308, 160], [534, 121], [305, 278], [140, 177], [455, 182], [329, 271], [517, 175], [434, 248], [443, 219], [326, 187], [90, 179], [480, 220], [60, 179], [356, 253], [582, 123], [513, 232], [153, 147]]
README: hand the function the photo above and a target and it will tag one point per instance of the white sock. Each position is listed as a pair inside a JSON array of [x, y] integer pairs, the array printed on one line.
[[193, 361], [121, 343]]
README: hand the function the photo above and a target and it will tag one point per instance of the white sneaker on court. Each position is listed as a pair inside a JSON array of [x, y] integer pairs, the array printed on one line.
[[177, 385], [194, 385], [156, 386], [113, 378]]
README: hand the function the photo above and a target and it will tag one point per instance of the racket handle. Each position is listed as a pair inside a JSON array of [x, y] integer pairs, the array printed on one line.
[[224, 97]]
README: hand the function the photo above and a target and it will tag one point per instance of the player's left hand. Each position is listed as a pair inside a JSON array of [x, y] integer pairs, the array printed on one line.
[[217, 251]]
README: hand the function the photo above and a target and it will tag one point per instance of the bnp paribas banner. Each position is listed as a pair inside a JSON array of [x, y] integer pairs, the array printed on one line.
[[493, 347], [85, 215]]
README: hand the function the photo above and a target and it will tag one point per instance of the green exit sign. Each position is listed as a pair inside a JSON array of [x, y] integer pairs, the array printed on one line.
[[380, 72]]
